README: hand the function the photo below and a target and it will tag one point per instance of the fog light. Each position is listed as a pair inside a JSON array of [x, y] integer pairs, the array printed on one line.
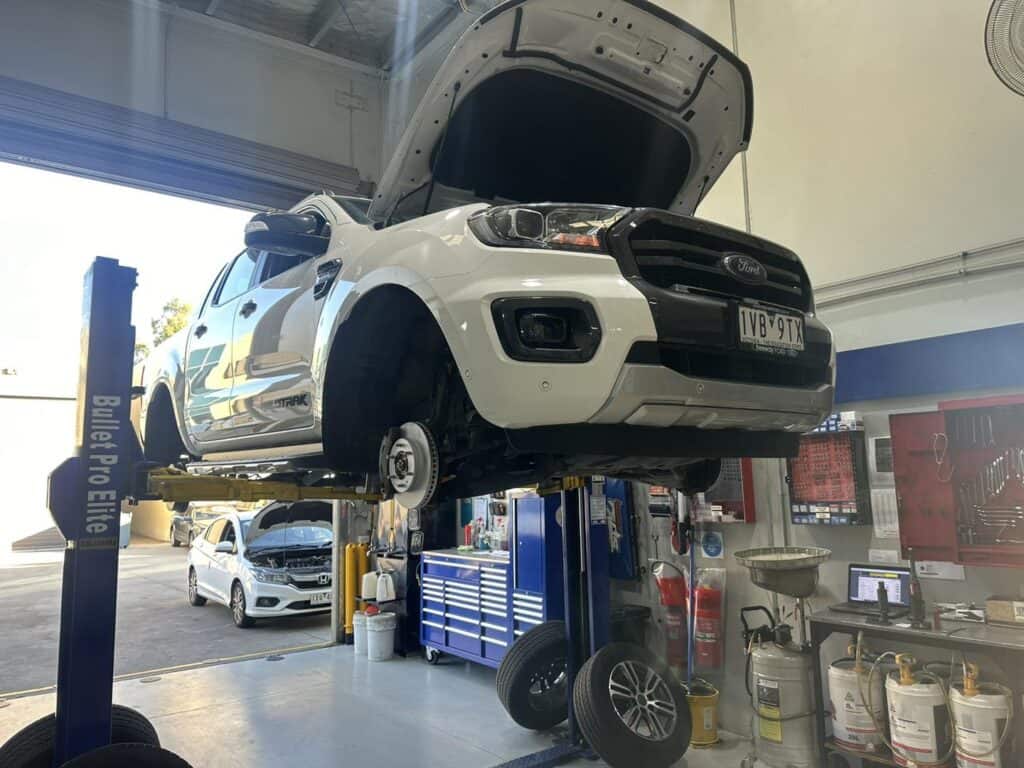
[[547, 329], [543, 329], [266, 602]]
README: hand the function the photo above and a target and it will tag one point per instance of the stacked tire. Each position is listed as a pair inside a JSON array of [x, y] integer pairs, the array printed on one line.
[[134, 744], [628, 706], [531, 679]]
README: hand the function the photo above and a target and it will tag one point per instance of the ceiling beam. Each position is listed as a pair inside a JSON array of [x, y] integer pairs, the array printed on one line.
[[326, 16], [213, 7], [434, 28]]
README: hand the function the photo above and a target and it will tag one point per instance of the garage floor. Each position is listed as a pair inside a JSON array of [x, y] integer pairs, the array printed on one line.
[[156, 627], [316, 707]]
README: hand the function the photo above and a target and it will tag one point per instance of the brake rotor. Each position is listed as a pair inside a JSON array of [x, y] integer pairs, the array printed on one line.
[[410, 464]]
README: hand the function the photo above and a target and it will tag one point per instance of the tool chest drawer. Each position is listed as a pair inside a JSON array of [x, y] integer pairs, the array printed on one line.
[[465, 606]]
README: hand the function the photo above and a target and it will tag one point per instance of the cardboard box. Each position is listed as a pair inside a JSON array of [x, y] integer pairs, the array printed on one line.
[[1004, 610]]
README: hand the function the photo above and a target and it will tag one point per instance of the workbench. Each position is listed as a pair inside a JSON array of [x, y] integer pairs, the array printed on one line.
[[1004, 646]]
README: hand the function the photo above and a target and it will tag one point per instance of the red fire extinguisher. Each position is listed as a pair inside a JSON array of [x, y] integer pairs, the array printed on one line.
[[707, 634], [672, 592]]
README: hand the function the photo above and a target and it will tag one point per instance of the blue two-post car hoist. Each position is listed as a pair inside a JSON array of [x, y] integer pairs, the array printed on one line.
[[85, 497]]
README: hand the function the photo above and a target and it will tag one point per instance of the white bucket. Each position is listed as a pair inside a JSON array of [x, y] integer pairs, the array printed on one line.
[[852, 724], [918, 721], [979, 722], [380, 636], [359, 633]]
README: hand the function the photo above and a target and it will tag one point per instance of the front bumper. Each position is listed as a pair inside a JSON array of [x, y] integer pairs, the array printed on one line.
[[656, 396], [290, 600]]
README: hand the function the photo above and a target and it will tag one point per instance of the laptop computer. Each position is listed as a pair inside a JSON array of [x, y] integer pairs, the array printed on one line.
[[862, 590]]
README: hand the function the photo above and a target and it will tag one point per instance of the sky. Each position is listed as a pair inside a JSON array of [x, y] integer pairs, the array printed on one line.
[[54, 225]]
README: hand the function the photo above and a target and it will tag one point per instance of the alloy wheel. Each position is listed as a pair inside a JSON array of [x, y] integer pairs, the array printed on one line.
[[193, 586], [642, 700], [238, 604]]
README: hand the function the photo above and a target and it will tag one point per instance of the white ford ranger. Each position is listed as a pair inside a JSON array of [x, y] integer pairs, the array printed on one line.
[[457, 329]]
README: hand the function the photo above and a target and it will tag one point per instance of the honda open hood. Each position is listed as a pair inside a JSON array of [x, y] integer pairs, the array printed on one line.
[[616, 102], [286, 514]]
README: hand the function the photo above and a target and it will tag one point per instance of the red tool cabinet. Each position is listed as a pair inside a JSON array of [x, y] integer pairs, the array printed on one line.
[[959, 474]]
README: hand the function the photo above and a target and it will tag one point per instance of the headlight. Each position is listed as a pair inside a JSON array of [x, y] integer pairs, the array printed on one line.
[[553, 226], [268, 576]]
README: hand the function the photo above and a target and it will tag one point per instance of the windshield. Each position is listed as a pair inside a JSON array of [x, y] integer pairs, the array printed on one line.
[[356, 207], [290, 536]]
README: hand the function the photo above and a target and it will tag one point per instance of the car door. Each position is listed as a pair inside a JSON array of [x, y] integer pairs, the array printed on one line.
[[209, 366], [222, 564], [203, 557], [274, 334]]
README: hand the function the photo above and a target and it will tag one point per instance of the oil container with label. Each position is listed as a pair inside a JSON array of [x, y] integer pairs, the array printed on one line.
[[783, 697]]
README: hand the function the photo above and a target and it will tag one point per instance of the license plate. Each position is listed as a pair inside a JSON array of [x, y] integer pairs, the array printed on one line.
[[767, 331], [320, 598]]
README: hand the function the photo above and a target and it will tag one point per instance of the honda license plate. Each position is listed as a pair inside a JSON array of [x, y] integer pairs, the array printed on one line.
[[320, 598], [773, 332]]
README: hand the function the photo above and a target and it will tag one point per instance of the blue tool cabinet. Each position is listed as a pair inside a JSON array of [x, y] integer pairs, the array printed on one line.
[[475, 604]]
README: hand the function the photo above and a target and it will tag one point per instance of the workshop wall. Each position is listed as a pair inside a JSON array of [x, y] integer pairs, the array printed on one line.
[[772, 528], [187, 67], [880, 139]]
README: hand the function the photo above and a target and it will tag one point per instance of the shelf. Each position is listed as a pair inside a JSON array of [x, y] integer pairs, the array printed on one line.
[[875, 758]]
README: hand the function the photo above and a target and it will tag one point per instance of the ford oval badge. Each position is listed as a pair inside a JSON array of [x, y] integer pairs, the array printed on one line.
[[745, 268]]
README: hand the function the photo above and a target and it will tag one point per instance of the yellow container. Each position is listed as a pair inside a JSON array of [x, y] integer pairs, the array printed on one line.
[[703, 700]]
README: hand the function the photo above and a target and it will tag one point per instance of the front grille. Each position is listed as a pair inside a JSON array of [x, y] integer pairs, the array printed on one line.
[[730, 366], [308, 584], [686, 254]]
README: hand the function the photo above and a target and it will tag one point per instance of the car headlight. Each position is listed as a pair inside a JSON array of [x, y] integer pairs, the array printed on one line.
[[553, 226], [268, 576]]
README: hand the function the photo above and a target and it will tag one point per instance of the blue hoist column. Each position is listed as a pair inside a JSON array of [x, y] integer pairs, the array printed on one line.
[[85, 497]]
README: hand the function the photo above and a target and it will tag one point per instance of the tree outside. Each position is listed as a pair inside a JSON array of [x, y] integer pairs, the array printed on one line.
[[172, 318]]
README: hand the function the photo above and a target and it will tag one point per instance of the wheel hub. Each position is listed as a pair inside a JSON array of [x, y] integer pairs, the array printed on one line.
[[642, 700], [410, 464]]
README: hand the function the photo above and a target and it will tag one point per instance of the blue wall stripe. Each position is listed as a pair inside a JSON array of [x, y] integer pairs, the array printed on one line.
[[992, 358]]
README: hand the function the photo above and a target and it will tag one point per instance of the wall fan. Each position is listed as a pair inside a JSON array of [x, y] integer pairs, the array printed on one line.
[[1004, 42]]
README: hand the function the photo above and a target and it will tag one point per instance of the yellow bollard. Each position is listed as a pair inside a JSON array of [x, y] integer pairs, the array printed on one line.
[[703, 700], [350, 585], [362, 566]]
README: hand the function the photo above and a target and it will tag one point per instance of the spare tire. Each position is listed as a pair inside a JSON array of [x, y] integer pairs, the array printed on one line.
[[532, 677], [630, 708], [32, 746], [127, 756]]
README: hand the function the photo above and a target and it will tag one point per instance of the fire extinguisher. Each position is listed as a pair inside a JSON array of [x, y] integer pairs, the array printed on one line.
[[672, 592], [707, 635]]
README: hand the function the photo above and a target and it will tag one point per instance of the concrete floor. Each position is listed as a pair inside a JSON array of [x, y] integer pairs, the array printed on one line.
[[156, 627], [324, 708]]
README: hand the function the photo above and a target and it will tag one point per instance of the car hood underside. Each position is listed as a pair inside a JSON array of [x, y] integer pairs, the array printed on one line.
[[562, 100]]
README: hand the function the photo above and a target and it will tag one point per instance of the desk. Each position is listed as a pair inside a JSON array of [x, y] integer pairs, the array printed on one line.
[[1003, 645]]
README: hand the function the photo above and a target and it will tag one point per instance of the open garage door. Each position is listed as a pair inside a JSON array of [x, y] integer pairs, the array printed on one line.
[[53, 129]]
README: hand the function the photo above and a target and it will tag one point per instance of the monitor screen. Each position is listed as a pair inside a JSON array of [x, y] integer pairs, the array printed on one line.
[[864, 584]]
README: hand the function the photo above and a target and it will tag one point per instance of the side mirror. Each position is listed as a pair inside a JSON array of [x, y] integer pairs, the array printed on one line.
[[287, 232], [224, 547]]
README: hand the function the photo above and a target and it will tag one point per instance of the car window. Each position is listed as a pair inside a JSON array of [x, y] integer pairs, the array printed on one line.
[[229, 533], [210, 290], [239, 277], [214, 532], [276, 263]]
